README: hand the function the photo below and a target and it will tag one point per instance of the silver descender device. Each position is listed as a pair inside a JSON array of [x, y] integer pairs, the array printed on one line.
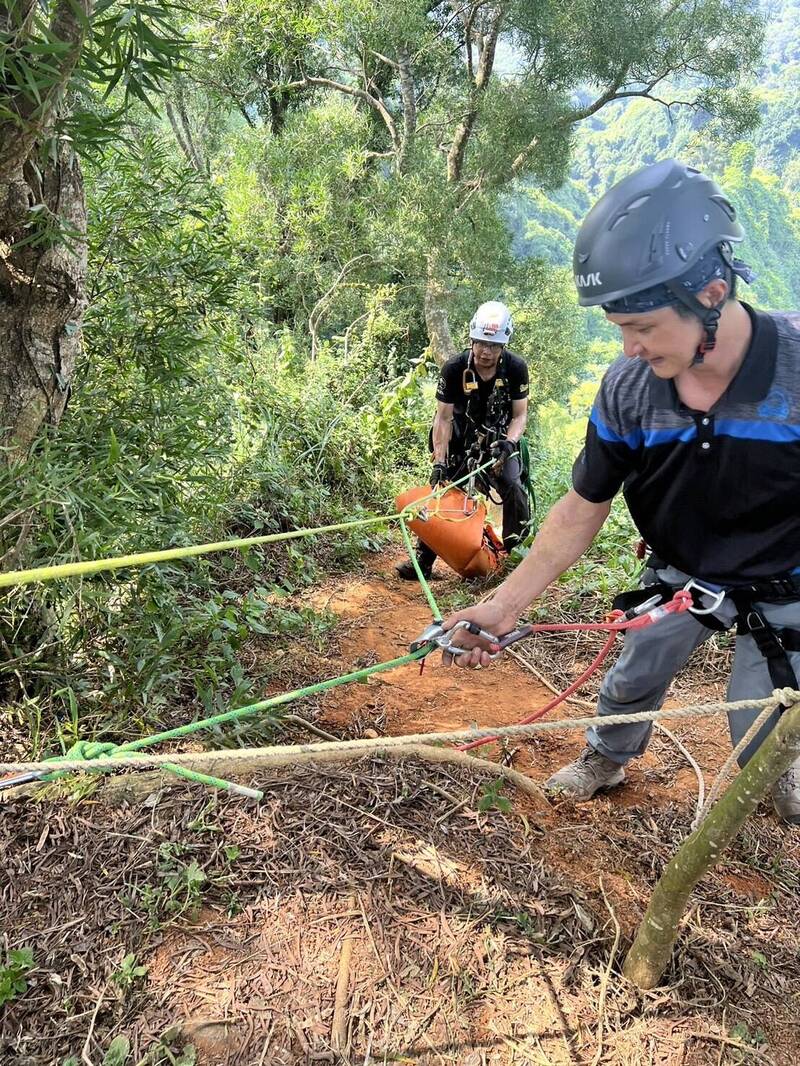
[[437, 637]]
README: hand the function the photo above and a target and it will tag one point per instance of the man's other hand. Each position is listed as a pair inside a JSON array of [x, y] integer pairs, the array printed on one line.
[[501, 450]]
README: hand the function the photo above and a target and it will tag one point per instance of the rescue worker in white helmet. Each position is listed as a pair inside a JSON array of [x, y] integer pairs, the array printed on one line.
[[482, 410]]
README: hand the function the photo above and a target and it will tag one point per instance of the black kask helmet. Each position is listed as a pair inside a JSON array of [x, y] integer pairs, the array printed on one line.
[[649, 230]]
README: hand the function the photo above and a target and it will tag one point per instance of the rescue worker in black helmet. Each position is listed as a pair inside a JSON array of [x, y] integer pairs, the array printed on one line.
[[482, 410], [698, 422]]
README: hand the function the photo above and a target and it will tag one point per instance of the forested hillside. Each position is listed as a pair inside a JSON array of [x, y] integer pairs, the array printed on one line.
[[291, 211], [238, 242], [761, 173]]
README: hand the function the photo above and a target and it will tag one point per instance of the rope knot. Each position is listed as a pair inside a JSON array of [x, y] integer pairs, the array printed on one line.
[[786, 696]]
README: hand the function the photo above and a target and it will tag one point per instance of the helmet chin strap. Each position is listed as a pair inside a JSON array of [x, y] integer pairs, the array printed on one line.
[[709, 317]]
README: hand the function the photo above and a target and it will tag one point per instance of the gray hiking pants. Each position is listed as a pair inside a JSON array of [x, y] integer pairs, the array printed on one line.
[[652, 656]]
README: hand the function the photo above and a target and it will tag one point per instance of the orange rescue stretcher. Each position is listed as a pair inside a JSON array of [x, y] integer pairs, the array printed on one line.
[[455, 526]]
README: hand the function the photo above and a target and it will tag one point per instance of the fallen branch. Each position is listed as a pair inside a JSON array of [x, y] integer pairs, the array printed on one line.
[[341, 999], [601, 1005], [127, 787]]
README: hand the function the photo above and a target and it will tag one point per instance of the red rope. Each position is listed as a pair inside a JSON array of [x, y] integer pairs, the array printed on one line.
[[680, 602]]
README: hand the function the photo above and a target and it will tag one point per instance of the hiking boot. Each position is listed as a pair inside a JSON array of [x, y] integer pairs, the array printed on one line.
[[407, 572], [786, 794], [590, 772]]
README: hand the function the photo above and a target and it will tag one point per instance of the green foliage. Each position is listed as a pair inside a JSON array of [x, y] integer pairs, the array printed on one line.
[[66, 49], [745, 1035], [128, 972], [118, 1051], [187, 425], [773, 229], [491, 800], [177, 891], [13, 971], [256, 341]]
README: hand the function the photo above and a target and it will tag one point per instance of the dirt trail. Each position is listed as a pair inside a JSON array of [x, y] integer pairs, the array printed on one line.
[[380, 615]]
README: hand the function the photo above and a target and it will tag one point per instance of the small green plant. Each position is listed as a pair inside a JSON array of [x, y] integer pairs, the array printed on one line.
[[491, 799], [129, 972], [13, 974], [178, 890], [745, 1035], [525, 922], [760, 959], [233, 904], [118, 1051]]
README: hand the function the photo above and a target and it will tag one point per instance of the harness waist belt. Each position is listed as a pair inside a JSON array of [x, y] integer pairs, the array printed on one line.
[[774, 643]]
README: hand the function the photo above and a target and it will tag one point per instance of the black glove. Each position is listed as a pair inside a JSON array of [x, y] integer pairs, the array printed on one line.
[[438, 474], [501, 450]]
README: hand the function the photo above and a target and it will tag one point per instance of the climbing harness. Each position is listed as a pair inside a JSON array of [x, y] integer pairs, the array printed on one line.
[[774, 642]]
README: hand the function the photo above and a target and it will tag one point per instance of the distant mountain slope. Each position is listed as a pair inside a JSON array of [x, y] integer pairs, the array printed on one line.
[[762, 175]]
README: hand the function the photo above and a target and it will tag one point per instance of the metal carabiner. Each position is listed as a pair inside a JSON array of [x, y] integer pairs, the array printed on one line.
[[429, 635], [435, 634], [718, 595], [475, 631]]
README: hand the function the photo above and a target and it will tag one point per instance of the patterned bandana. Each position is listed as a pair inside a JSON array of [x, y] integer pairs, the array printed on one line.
[[714, 264]]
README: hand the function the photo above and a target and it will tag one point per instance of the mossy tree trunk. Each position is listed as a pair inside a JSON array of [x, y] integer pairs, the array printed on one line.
[[652, 948]]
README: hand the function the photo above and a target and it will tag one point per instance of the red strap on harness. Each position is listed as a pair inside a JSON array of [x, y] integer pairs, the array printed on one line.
[[680, 602]]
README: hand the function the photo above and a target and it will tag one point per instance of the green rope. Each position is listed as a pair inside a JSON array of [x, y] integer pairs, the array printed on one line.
[[12, 578], [437, 614], [95, 566], [88, 750], [214, 782]]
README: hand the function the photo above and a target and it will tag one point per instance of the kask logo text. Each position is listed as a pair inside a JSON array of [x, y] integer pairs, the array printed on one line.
[[583, 281]]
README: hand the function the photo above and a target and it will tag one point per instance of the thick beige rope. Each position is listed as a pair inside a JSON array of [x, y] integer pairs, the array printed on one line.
[[284, 754]]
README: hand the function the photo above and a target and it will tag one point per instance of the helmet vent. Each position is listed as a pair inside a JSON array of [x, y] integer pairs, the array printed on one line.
[[726, 206], [617, 220], [638, 203]]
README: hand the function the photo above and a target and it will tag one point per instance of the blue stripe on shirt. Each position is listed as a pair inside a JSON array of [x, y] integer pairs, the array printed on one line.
[[777, 432], [606, 433], [638, 437], [669, 436]]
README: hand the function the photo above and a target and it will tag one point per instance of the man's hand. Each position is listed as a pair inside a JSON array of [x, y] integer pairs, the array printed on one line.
[[501, 450], [438, 474], [492, 617]]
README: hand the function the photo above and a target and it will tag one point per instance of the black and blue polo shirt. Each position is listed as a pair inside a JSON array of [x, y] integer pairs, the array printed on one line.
[[717, 493]]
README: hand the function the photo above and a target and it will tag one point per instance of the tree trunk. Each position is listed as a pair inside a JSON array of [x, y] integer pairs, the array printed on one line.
[[42, 294], [652, 948], [436, 320]]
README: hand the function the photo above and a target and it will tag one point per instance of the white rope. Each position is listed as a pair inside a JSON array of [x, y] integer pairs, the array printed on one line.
[[698, 773], [728, 765], [283, 752]]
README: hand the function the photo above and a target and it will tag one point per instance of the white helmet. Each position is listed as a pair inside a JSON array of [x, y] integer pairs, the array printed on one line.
[[491, 322]]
